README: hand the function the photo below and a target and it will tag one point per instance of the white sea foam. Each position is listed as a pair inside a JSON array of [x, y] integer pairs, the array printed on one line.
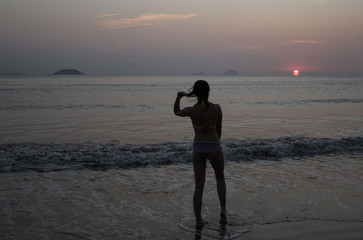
[[101, 156]]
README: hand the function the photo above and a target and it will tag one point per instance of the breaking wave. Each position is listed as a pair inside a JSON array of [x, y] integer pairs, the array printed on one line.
[[44, 157]]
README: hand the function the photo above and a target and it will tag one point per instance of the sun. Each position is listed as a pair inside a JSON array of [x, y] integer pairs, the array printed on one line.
[[296, 72]]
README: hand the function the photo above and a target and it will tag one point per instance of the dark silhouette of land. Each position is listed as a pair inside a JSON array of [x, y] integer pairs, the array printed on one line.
[[231, 72], [68, 72]]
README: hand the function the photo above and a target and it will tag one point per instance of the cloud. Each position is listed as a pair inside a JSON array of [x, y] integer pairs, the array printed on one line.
[[114, 21], [306, 42], [107, 15], [268, 45]]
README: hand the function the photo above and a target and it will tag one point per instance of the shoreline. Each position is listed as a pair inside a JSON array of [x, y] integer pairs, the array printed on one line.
[[278, 198]]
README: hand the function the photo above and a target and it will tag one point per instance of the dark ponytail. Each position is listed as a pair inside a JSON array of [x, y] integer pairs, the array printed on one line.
[[200, 90]]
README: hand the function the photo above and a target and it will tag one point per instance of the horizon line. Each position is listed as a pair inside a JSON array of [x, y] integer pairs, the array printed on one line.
[[301, 74]]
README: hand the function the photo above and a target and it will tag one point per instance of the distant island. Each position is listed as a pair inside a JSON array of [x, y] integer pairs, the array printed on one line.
[[231, 72], [68, 72]]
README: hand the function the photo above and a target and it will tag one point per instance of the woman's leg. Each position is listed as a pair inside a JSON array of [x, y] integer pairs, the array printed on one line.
[[199, 165], [217, 162]]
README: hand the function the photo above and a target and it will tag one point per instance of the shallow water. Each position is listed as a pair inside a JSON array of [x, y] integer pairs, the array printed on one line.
[[149, 203]]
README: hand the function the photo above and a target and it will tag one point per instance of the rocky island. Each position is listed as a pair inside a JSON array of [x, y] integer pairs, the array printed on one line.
[[231, 72], [68, 72]]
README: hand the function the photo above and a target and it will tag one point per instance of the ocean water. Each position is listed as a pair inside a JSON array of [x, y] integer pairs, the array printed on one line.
[[120, 122], [104, 157]]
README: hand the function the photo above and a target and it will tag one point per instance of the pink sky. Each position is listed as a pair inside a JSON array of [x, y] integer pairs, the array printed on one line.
[[182, 37]]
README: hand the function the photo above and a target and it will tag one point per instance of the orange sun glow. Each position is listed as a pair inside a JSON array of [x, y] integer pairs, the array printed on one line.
[[296, 73]]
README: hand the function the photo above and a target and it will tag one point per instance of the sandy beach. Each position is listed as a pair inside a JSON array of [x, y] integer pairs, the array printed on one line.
[[315, 230], [310, 198]]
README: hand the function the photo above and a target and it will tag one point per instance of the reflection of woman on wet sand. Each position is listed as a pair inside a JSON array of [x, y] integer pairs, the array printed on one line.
[[207, 123]]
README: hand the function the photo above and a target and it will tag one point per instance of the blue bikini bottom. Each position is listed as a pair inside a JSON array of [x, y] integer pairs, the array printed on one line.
[[204, 149]]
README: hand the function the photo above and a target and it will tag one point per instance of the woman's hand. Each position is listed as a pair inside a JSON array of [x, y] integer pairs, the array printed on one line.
[[181, 94]]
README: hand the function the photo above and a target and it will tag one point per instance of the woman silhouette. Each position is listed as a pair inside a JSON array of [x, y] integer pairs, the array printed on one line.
[[207, 123]]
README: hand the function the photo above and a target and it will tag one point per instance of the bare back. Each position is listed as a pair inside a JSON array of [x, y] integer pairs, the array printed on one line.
[[210, 117]]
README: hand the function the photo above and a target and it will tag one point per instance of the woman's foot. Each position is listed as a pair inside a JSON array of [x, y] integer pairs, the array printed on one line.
[[223, 219], [200, 224]]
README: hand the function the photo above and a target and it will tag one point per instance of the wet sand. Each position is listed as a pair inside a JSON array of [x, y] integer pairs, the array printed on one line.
[[310, 229], [310, 198]]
